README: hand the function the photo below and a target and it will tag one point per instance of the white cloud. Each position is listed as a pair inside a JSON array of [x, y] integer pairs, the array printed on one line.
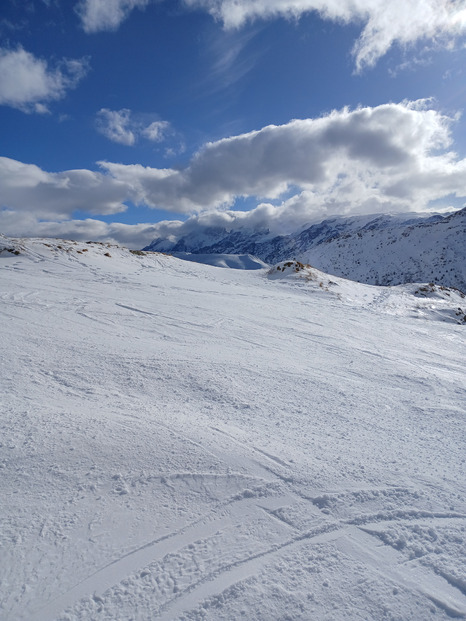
[[115, 125], [27, 82], [98, 15], [156, 131], [124, 127], [27, 224], [27, 188], [34, 202], [385, 23]]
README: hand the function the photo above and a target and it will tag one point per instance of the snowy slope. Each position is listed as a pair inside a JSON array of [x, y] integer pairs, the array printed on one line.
[[179, 441], [382, 249], [233, 261], [428, 301], [424, 251]]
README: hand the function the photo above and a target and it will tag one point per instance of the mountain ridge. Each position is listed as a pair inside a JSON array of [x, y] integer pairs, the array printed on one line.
[[377, 249]]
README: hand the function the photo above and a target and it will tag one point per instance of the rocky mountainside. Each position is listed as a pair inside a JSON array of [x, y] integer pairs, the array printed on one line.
[[381, 249]]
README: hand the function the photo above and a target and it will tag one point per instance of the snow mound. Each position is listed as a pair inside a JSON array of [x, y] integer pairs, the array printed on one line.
[[427, 301]]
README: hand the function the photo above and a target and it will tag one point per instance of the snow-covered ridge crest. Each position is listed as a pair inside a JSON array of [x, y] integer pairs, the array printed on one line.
[[70, 251]]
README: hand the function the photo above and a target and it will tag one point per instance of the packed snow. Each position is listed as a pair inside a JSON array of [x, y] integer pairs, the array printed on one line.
[[179, 441]]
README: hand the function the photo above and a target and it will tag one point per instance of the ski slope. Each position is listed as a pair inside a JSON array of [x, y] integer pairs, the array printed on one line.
[[180, 441]]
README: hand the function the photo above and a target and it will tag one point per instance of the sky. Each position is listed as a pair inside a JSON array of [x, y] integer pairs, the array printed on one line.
[[123, 119]]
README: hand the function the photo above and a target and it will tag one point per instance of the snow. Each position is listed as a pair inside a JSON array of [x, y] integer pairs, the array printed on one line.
[[429, 300], [180, 441], [233, 261]]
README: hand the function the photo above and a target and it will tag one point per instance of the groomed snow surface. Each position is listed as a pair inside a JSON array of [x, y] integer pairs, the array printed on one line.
[[180, 441]]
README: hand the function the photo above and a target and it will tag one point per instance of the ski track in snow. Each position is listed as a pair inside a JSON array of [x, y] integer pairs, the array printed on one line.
[[180, 441]]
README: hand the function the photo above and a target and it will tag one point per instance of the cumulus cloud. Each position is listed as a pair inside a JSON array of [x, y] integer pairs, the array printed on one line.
[[34, 202], [125, 128], [385, 23], [27, 188], [115, 125], [353, 160], [28, 83], [283, 219], [98, 15]]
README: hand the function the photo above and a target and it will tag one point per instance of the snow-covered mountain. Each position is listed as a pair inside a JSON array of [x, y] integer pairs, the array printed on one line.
[[385, 250], [179, 441]]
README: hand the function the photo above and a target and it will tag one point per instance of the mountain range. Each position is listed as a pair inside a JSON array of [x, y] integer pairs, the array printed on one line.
[[377, 249]]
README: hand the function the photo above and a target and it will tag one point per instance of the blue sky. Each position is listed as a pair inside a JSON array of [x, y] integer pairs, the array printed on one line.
[[121, 118]]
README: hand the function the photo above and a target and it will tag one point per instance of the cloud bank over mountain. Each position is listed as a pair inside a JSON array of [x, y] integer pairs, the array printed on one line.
[[389, 158]]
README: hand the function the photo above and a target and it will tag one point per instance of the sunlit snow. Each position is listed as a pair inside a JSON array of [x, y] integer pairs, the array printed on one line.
[[180, 441]]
